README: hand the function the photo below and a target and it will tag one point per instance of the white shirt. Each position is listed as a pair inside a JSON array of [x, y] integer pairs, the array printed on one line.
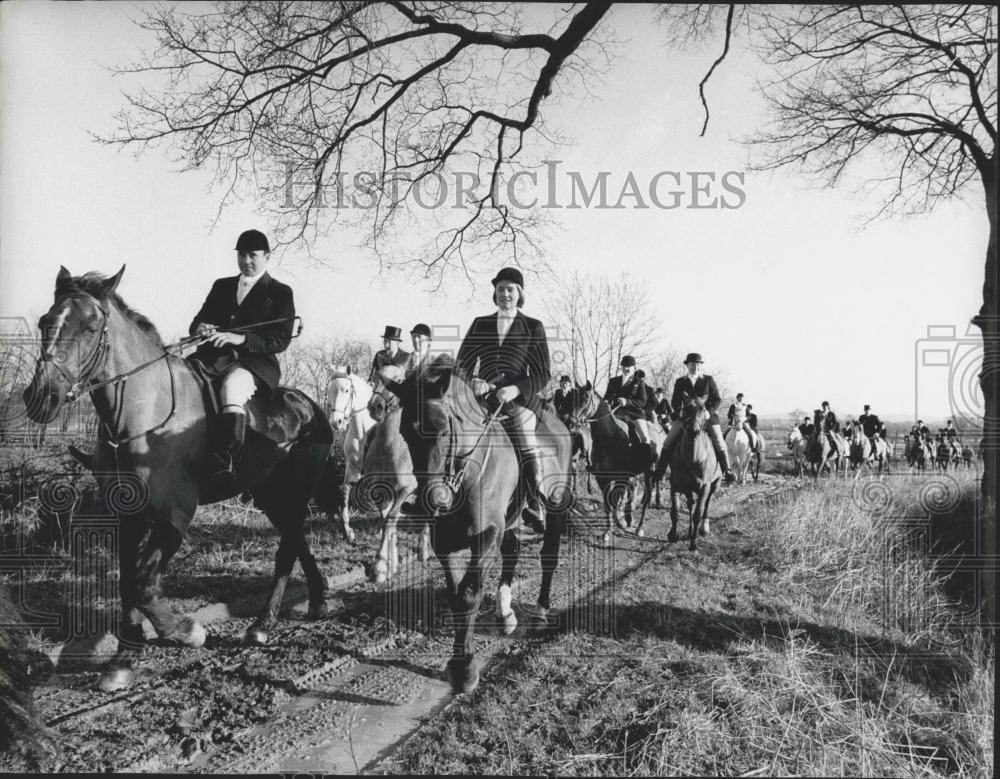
[[504, 320], [244, 285]]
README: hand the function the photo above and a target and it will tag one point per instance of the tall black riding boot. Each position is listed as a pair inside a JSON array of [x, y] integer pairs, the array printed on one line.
[[230, 432], [534, 512]]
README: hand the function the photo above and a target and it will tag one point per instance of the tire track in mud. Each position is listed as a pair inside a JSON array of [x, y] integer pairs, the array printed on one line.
[[339, 694]]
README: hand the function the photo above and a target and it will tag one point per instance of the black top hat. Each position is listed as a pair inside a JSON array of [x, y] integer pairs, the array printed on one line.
[[693, 357], [628, 361], [509, 274], [252, 241], [420, 329], [393, 333], [867, 407], [564, 378]]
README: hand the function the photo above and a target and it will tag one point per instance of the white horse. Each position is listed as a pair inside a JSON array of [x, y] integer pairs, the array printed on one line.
[[348, 395], [797, 444], [740, 453]]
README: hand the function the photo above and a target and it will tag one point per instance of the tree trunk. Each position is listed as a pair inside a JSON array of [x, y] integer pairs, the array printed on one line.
[[989, 379]]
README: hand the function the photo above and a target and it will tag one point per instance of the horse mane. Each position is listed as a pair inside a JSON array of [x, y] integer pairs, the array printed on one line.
[[90, 283]]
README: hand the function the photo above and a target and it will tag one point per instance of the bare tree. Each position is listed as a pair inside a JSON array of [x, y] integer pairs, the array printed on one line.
[[599, 321], [291, 99], [910, 91]]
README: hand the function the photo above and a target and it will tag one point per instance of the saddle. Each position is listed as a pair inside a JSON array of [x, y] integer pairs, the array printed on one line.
[[278, 415]]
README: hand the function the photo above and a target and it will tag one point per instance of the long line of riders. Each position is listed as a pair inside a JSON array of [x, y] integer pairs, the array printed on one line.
[[463, 447]]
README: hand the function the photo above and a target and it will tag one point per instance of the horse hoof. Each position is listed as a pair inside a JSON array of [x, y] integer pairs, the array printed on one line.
[[607, 537], [509, 623], [703, 531], [463, 674], [539, 621], [693, 547], [115, 679], [317, 610], [255, 636], [640, 533], [672, 536], [191, 634]]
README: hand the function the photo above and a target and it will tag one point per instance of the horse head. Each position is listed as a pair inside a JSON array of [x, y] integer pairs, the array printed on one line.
[[794, 436], [75, 341], [434, 403], [347, 393], [693, 413], [583, 405]]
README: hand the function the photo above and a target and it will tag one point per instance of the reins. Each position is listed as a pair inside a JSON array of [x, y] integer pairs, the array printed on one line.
[[98, 358], [454, 478]]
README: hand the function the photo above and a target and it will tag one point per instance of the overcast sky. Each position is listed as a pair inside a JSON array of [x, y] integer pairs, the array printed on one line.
[[784, 293]]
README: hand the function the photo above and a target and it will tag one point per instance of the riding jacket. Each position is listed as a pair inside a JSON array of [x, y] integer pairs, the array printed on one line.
[[705, 385], [266, 301], [520, 360]]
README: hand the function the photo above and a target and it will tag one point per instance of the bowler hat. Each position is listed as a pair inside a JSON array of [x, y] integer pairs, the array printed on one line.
[[825, 403], [421, 329], [867, 407], [564, 378], [393, 333], [628, 361], [252, 241], [509, 274], [693, 357]]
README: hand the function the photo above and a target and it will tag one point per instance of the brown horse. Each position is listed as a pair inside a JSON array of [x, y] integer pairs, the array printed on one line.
[[153, 440], [474, 485], [694, 470], [819, 453], [615, 461], [919, 453], [583, 404]]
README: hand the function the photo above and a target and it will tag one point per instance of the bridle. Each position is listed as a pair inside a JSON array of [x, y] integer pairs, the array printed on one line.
[[98, 359]]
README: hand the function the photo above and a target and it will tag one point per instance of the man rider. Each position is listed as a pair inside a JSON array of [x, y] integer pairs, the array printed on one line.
[[389, 354], [806, 428], [830, 424], [628, 398], [696, 384], [420, 336], [752, 419], [662, 408], [505, 356], [737, 418], [242, 360], [562, 400], [951, 436], [870, 424]]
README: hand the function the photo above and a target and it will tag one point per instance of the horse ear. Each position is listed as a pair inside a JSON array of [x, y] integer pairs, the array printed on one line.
[[588, 386], [109, 286], [347, 370], [63, 276], [703, 399]]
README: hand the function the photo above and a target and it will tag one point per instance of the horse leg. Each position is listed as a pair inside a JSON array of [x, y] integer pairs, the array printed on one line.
[[284, 561], [343, 506], [608, 491], [627, 501], [382, 567], [705, 526], [465, 597], [646, 498], [510, 551], [145, 550], [696, 512], [550, 560], [315, 581], [675, 510]]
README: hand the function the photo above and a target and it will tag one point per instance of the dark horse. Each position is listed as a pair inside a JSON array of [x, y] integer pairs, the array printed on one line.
[[694, 470], [474, 484], [615, 461], [819, 453], [153, 438]]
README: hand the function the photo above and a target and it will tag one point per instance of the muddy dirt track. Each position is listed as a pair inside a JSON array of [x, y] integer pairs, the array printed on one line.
[[341, 693]]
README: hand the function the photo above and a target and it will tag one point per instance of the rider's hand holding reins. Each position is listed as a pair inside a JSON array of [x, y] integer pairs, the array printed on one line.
[[479, 387], [222, 338]]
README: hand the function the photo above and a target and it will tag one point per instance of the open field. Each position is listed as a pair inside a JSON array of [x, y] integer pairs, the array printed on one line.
[[818, 630]]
